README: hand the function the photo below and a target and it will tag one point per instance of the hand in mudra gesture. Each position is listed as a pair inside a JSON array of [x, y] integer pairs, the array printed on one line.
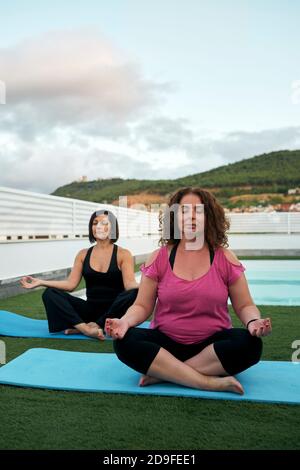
[[29, 282], [260, 327], [116, 327]]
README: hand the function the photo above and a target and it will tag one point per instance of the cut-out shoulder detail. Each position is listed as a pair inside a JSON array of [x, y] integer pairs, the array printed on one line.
[[231, 257], [151, 258], [154, 266]]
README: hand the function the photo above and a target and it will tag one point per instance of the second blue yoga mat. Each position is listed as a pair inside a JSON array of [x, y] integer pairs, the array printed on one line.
[[12, 324]]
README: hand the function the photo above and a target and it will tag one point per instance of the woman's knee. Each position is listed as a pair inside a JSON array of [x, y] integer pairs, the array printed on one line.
[[134, 291], [129, 294], [132, 295], [117, 345], [122, 346], [250, 347], [48, 293], [239, 353], [255, 348], [125, 352], [135, 350]]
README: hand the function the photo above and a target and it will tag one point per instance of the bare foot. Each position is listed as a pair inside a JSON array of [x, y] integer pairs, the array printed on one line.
[[94, 333], [230, 384], [218, 384], [88, 331], [101, 335], [148, 380], [72, 331]]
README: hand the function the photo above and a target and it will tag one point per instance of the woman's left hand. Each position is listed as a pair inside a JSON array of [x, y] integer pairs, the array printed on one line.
[[260, 327]]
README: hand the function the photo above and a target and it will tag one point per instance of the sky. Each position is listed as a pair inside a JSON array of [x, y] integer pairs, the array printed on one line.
[[143, 89]]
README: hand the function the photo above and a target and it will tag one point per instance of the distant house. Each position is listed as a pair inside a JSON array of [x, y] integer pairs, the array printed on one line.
[[284, 207], [294, 191], [295, 207], [82, 179]]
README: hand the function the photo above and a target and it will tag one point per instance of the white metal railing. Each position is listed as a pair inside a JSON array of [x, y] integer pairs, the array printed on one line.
[[25, 215], [265, 222]]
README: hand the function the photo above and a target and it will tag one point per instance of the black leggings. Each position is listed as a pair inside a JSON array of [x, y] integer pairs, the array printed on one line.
[[236, 348], [64, 310]]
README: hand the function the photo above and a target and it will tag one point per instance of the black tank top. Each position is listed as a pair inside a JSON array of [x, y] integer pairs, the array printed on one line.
[[102, 288], [174, 250]]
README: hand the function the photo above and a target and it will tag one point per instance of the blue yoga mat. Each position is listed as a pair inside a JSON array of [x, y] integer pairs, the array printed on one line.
[[12, 324], [268, 381]]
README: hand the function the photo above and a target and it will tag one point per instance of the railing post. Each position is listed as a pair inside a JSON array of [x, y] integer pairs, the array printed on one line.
[[73, 217]]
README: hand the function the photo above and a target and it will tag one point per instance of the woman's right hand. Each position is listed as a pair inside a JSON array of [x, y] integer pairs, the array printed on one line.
[[260, 327], [29, 282], [116, 327]]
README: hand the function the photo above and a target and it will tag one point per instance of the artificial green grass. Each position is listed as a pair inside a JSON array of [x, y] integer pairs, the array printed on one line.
[[44, 419]]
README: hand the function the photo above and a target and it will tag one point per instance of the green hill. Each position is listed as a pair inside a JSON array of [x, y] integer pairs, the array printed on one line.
[[271, 173]]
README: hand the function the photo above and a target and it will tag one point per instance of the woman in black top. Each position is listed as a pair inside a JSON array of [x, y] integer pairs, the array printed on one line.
[[108, 271]]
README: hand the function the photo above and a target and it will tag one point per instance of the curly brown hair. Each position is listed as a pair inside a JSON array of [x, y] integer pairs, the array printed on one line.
[[216, 223]]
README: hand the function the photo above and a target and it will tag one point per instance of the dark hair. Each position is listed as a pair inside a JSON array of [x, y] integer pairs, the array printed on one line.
[[114, 225], [216, 223]]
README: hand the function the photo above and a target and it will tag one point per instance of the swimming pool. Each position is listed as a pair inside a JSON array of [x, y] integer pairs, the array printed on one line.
[[274, 282]]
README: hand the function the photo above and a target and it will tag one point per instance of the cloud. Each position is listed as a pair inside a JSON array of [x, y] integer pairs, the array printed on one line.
[[238, 145], [74, 78], [163, 133], [54, 162], [200, 151]]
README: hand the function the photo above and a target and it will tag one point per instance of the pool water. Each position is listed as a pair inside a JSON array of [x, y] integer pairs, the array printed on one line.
[[274, 282]]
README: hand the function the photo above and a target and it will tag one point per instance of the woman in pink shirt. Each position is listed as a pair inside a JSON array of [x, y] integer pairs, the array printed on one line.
[[191, 340]]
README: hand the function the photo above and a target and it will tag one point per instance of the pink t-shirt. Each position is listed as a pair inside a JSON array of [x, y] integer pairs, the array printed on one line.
[[191, 311]]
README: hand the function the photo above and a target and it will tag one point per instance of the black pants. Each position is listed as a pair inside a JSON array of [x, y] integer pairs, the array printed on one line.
[[64, 310], [236, 348]]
